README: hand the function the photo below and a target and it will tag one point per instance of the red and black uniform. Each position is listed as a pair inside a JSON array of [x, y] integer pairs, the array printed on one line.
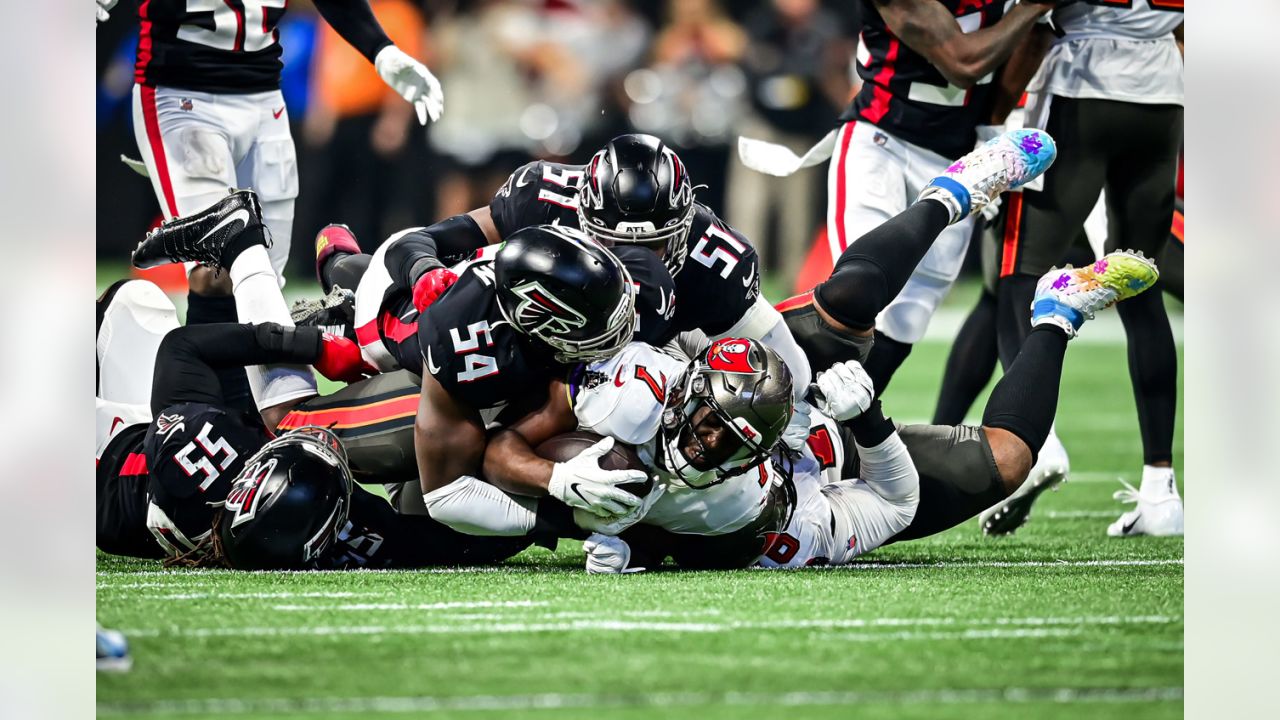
[[232, 46], [904, 94], [720, 278]]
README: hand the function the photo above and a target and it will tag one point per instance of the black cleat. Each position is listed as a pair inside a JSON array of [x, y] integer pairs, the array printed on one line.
[[204, 236], [334, 313]]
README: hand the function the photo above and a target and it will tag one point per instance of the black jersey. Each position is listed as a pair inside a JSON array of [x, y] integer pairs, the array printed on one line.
[[473, 352], [721, 275], [193, 452], [220, 46], [906, 95]]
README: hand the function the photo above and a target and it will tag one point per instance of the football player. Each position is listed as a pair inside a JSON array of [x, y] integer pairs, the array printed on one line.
[[927, 94], [1124, 131], [549, 296], [633, 192], [167, 475]]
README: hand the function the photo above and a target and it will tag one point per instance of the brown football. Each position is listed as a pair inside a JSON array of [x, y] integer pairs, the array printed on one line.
[[621, 457]]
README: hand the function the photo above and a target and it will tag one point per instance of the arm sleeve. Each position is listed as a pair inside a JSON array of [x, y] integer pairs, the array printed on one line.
[[764, 323], [355, 22], [445, 243], [868, 513]]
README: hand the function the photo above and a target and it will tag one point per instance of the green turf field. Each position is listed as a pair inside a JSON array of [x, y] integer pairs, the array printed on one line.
[[1057, 621]]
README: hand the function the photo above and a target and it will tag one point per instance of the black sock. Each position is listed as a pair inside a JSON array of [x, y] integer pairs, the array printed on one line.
[[1013, 315], [970, 364], [344, 270], [1153, 369], [206, 309], [874, 268], [886, 356], [1025, 400]]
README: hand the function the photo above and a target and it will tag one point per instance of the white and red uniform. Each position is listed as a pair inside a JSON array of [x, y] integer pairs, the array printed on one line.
[[208, 114], [623, 397], [836, 520]]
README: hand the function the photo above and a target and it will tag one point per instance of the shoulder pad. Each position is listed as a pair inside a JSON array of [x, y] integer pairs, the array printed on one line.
[[623, 397]]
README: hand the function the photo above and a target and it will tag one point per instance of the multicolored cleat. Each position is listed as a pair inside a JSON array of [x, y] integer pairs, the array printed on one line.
[[1003, 163], [1068, 296]]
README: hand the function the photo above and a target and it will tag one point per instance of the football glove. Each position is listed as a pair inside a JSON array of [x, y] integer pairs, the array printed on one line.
[[431, 286], [104, 7], [846, 391], [616, 526], [796, 433], [340, 359], [412, 81], [608, 556], [582, 484]]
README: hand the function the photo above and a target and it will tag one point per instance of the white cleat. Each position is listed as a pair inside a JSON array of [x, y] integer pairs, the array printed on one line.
[[1051, 470], [1158, 511], [1006, 162]]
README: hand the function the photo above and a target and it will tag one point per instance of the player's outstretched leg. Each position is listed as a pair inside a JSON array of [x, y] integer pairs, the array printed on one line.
[[1020, 412], [875, 267]]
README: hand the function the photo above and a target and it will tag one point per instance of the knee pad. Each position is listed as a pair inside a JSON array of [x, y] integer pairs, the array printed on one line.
[[822, 344], [855, 292], [298, 344]]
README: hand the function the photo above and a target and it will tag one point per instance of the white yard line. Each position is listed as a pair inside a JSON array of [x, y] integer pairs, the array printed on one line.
[[1079, 514], [1017, 634], [418, 606], [607, 624], [553, 701]]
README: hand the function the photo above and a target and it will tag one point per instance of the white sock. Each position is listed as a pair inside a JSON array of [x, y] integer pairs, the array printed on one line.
[[258, 299], [473, 506], [1158, 482]]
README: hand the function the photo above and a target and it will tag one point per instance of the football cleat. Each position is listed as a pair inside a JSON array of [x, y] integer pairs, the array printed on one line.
[[1048, 473], [113, 651], [1158, 511], [334, 238], [1006, 162], [334, 313], [202, 237], [1068, 296]]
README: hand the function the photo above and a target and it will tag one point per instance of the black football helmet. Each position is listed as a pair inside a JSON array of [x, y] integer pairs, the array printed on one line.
[[289, 504], [636, 190], [747, 387], [561, 287]]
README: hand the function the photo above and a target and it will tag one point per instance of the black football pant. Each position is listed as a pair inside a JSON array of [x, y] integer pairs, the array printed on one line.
[[1131, 151]]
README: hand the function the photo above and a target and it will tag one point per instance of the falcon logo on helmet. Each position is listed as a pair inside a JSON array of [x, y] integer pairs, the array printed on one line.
[[247, 491], [541, 312]]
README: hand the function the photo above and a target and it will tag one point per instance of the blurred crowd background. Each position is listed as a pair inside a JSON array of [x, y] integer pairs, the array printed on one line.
[[523, 79]]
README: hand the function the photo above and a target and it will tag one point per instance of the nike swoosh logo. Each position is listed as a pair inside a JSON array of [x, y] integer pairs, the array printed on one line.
[[522, 181], [746, 281], [574, 488], [242, 215], [276, 113], [1125, 529], [617, 379], [114, 423], [431, 365]]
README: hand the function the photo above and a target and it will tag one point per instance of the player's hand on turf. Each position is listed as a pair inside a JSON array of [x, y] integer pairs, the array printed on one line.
[[412, 81], [796, 432], [847, 390], [431, 286], [581, 483], [104, 8], [616, 526], [608, 555]]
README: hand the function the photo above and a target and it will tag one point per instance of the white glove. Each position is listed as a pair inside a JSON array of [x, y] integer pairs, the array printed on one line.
[[411, 80], [608, 556], [847, 390], [581, 483], [103, 7], [615, 526], [796, 433]]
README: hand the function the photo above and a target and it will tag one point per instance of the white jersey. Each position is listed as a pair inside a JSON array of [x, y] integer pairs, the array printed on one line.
[[623, 397], [837, 520], [1124, 53]]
